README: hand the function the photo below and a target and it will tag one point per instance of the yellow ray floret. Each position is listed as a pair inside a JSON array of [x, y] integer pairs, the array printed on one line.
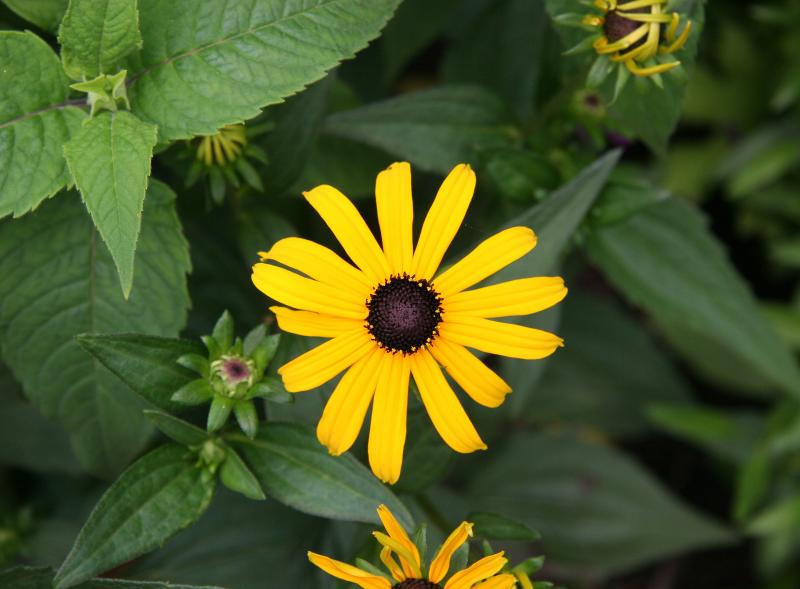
[[391, 315]]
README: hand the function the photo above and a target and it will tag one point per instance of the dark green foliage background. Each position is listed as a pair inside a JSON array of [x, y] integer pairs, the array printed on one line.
[[658, 449]]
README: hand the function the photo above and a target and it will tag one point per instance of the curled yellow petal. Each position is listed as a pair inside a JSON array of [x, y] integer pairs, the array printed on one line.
[[441, 562], [349, 573], [482, 569]]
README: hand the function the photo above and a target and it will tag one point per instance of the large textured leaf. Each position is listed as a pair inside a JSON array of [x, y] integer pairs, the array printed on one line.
[[45, 14], [295, 469], [96, 34], [35, 121], [665, 260], [239, 544], [58, 280], [608, 375], [147, 364], [230, 59], [596, 510], [42, 578], [109, 158], [434, 129], [501, 49], [159, 495]]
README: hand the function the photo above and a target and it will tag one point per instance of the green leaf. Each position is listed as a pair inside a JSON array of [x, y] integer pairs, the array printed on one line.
[[554, 221], [96, 34], [235, 475], [45, 14], [498, 527], [42, 578], [109, 158], [780, 518], [179, 430], [295, 469], [35, 121], [598, 510], [239, 65], [196, 392], [159, 495], [219, 412], [609, 373], [502, 49], [147, 364], [426, 459], [246, 417], [434, 129], [237, 544], [665, 260], [67, 285], [223, 331]]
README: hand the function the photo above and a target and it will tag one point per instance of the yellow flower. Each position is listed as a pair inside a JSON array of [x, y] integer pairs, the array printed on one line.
[[392, 316], [632, 34], [402, 559]]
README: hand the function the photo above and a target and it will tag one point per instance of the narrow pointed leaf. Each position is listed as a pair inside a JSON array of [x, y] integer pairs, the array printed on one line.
[[109, 158], [235, 475], [179, 430]]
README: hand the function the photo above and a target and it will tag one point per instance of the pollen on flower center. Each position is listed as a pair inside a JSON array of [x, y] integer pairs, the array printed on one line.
[[416, 584], [617, 26], [404, 315]]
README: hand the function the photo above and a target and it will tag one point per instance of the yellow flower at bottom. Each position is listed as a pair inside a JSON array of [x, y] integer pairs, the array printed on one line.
[[392, 316], [402, 559]]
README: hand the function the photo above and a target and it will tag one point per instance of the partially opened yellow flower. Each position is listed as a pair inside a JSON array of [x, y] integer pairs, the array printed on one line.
[[402, 559], [391, 316]]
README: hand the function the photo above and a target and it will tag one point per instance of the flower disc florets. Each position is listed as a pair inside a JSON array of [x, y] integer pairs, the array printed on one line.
[[234, 371], [404, 314], [617, 26], [416, 584]]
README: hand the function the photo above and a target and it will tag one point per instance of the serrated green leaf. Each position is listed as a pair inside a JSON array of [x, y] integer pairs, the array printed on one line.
[[147, 364], [96, 34], [239, 65], [42, 578], [579, 496], [295, 469], [35, 121], [665, 260], [434, 129], [46, 14], [235, 475], [159, 495], [67, 285], [109, 158], [179, 430]]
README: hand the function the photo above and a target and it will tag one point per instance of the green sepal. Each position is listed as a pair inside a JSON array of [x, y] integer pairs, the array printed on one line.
[[572, 19], [235, 475], [105, 92], [271, 389], [217, 184], [623, 75], [223, 331], [196, 392], [367, 566], [460, 558], [599, 71], [214, 350], [249, 174], [219, 412], [420, 540], [177, 429], [247, 417], [260, 347], [586, 45], [195, 362]]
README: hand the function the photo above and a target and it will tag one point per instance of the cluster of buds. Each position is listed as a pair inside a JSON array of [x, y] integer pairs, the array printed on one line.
[[232, 376]]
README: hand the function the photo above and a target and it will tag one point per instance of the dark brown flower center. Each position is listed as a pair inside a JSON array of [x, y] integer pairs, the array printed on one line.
[[416, 584], [616, 27], [404, 314]]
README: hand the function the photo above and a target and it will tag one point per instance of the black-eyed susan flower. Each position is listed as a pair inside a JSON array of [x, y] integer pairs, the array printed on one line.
[[394, 315], [403, 561], [639, 34]]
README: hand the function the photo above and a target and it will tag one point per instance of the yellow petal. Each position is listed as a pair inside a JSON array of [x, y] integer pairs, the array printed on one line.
[[320, 263], [444, 409], [313, 324], [441, 562], [391, 564], [494, 337], [443, 220], [504, 581], [406, 556], [387, 430], [482, 569], [349, 573], [398, 533], [515, 297], [345, 410], [299, 292], [319, 365], [350, 229], [396, 215], [478, 380], [490, 256]]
